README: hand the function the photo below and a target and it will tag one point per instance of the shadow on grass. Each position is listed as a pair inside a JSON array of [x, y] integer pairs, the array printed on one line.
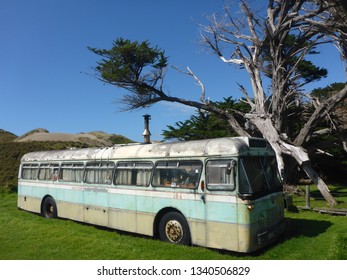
[[336, 191], [303, 227], [295, 228]]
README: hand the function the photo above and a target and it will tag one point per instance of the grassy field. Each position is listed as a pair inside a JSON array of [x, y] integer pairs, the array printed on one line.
[[317, 201], [28, 236]]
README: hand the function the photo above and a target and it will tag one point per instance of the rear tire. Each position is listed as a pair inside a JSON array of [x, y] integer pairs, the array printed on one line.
[[49, 208], [173, 228]]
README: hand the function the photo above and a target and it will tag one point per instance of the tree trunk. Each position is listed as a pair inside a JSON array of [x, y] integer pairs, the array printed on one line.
[[280, 147], [323, 188], [301, 156], [292, 171]]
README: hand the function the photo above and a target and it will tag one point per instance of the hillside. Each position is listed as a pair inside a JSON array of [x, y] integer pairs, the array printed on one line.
[[96, 138], [6, 136]]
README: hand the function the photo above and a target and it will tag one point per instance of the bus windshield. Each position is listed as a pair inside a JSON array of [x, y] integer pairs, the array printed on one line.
[[258, 176]]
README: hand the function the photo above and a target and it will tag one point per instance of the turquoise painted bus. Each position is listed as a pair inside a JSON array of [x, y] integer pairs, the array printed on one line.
[[221, 193]]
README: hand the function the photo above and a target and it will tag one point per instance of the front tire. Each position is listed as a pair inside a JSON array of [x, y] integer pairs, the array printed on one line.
[[49, 208], [173, 228]]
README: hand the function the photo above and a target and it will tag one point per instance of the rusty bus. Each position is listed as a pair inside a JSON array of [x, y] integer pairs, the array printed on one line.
[[221, 193]]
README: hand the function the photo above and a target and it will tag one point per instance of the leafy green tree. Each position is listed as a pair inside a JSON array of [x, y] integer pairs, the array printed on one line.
[[136, 67], [205, 125], [328, 91]]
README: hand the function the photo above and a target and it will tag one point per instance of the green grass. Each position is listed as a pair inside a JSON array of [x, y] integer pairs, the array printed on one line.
[[28, 236], [317, 200]]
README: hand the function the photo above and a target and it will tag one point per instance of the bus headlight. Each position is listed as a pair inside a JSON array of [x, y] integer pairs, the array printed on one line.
[[249, 205]]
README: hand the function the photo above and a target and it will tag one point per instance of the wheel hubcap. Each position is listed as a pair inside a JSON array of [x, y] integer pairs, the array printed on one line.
[[174, 231], [49, 210]]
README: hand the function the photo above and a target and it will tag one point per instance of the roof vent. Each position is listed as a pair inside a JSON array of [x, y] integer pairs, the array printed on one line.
[[146, 133]]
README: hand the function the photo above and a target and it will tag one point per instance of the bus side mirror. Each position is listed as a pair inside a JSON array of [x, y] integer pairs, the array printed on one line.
[[231, 167], [228, 169]]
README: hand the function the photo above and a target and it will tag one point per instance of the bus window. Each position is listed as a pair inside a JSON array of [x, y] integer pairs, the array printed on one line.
[[259, 175], [71, 172], [133, 173], [49, 171], [30, 171], [183, 174], [99, 173], [220, 175], [271, 173]]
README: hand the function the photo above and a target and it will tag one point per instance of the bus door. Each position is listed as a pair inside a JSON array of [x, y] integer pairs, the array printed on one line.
[[220, 202]]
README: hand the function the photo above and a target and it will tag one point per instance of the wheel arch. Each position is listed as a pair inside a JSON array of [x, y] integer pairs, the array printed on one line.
[[160, 215], [43, 201]]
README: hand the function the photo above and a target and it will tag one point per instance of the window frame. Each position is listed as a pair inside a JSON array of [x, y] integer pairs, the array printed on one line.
[[74, 166], [172, 183], [249, 180], [133, 165], [232, 181], [31, 167], [53, 171], [98, 172]]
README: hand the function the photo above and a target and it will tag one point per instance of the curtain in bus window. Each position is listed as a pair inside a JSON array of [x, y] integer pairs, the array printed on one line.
[[67, 173], [123, 177], [143, 176], [105, 176], [90, 175], [133, 173], [26, 172], [48, 172], [123, 173], [30, 171], [44, 172], [143, 173], [71, 172], [99, 173]]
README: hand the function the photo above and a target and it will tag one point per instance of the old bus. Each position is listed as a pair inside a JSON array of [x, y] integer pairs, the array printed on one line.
[[220, 193]]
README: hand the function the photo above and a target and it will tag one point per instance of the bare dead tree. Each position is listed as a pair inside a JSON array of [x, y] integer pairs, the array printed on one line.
[[246, 42]]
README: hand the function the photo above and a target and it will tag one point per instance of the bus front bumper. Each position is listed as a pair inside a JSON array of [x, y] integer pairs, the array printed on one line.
[[271, 233]]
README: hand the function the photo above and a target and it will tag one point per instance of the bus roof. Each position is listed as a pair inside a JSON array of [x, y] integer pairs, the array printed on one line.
[[196, 148]]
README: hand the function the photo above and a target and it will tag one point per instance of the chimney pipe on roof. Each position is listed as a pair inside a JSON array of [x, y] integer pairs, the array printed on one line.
[[146, 133]]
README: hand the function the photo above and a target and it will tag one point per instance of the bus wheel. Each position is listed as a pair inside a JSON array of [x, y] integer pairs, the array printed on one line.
[[49, 208], [174, 228]]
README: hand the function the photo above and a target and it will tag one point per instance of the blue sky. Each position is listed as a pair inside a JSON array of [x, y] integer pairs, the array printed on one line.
[[44, 61]]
